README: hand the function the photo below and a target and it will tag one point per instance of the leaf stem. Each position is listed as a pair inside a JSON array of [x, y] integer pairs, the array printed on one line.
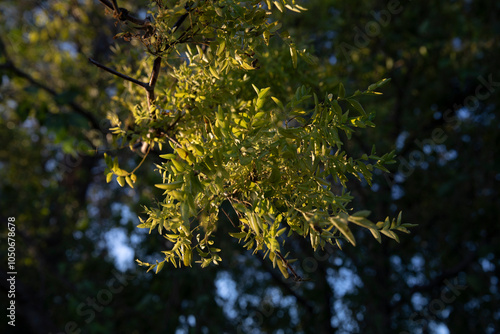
[[143, 159]]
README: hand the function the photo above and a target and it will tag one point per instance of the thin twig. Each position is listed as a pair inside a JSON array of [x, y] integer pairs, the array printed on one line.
[[287, 287], [173, 140], [227, 216], [115, 5], [118, 74], [107, 4], [143, 158], [294, 273]]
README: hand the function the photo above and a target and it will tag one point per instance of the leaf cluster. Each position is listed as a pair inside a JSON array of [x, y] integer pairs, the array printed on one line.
[[281, 164]]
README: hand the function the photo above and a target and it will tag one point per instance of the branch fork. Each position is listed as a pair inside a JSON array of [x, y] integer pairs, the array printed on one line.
[[148, 86]]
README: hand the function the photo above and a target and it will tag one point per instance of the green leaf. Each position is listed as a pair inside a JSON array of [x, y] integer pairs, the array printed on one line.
[[187, 257], [120, 180], [264, 92], [336, 108], [221, 47], [279, 5], [341, 91], [256, 89], [294, 9], [275, 26], [129, 181], [268, 3], [363, 222], [170, 186], [390, 234], [278, 102], [341, 225], [266, 34], [214, 72], [378, 84], [169, 156], [357, 106], [362, 213], [376, 235], [159, 266], [282, 267], [238, 235], [179, 166], [400, 215], [120, 172], [402, 229], [293, 52], [218, 10]]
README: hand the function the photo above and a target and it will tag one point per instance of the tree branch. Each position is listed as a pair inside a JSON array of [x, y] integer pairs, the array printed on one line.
[[150, 88], [180, 20], [155, 72], [115, 5], [118, 74], [296, 276], [76, 107], [9, 65]]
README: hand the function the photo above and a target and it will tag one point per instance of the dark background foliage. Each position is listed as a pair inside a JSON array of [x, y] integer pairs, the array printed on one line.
[[440, 114]]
